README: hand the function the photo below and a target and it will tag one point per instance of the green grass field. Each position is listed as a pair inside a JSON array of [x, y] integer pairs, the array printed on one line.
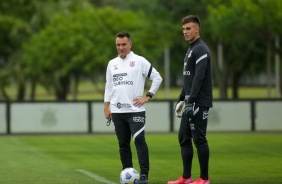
[[236, 158]]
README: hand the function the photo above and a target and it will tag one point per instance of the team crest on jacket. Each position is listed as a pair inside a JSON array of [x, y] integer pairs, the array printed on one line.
[[115, 67], [132, 63]]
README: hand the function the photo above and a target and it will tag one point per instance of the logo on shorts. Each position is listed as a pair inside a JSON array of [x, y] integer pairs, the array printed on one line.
[[192, 126], [186, 72], [138, 119], [123, 105], [205, 114]]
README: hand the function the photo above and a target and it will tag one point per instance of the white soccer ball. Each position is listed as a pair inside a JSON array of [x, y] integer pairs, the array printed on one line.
[[129, 176]]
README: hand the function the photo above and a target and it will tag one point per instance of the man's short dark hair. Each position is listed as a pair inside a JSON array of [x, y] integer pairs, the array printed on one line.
[[191, 18], [123, 34]]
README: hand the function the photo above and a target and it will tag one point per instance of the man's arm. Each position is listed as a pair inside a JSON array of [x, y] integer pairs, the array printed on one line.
[[108, 89], [156, 78], [107, 111], [156, 81]]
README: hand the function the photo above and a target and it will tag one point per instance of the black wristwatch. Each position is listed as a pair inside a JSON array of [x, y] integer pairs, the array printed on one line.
[[149, 94]]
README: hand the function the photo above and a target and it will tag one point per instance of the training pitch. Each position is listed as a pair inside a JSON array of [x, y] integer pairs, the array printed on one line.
[[235, 158]]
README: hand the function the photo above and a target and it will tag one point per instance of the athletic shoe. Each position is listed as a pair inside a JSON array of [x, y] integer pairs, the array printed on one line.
[[143, 179], [181, 180], [201, 181]]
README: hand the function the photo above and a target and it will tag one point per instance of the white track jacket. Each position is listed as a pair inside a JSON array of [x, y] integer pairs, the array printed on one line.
[[125, 80]]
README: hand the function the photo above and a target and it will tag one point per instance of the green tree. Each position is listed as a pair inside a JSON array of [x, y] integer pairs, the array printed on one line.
[[166, 20], [83, 43], [238, 25], [13, 33], [19, 19]]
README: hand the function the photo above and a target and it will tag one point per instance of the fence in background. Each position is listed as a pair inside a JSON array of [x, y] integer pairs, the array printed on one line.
[[88, 116]]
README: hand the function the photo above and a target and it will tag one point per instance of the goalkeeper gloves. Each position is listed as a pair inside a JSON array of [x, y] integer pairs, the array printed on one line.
[[188, 111], [179, 109]]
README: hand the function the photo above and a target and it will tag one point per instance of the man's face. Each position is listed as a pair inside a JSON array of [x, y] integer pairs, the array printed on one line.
[[123, 46], [190, 31]]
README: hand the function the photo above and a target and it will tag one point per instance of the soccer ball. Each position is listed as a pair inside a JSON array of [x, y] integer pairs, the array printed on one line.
[[129, 176]]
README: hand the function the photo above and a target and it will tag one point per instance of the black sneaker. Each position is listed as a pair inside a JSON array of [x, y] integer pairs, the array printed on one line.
[[143, 179]]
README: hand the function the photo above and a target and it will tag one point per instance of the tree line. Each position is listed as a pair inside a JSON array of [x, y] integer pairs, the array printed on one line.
[[55, 43]]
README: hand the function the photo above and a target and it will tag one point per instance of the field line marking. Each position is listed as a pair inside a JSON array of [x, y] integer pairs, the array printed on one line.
[[94, 176]]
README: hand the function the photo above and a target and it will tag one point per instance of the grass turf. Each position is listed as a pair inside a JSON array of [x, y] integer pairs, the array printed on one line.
[[235, 158]]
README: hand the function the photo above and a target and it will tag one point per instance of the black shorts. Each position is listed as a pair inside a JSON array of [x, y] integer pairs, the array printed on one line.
[[129, 124], [195, 128]]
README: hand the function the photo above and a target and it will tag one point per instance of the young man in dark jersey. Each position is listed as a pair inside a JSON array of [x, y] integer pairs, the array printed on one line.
[[194, 102]]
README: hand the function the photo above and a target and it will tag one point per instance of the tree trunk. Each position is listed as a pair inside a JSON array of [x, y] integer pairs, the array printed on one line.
[[3, 93], [220, 71], [33, 88], [75, 86], [21, 91], [277, 68], [235, 85], [62, 88], [223, 87], [268, 70]]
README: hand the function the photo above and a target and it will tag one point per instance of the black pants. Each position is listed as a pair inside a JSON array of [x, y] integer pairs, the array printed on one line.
[[127, 125], [194, 129]]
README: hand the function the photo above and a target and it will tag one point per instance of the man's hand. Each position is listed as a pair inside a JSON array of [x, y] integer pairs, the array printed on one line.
[[188, 111], [137, 102], [179, 109], [107, 111]]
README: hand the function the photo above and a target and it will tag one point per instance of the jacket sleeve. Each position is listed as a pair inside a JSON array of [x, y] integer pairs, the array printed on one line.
[[153, 75], [108, 85], [182, 95], [156, 80]]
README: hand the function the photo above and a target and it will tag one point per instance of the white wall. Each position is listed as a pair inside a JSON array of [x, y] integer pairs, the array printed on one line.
[[230, 116], [268, 115], [226, 116], [3, 124], [157, 117], [72, 117], [48, 117], [99, 120]]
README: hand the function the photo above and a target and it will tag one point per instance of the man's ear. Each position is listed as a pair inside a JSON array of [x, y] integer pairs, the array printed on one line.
[[197, 29]]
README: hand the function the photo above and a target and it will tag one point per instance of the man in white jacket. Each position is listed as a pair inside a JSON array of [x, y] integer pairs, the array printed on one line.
[[124, 102]]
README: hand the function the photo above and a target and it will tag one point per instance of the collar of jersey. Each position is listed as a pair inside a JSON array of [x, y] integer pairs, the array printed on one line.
[[196, 41], [131, 53]]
